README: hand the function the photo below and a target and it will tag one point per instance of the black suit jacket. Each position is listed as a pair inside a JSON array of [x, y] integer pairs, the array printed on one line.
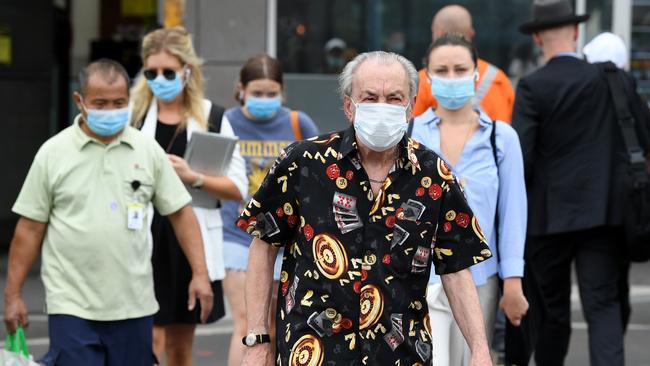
[[571, 146]]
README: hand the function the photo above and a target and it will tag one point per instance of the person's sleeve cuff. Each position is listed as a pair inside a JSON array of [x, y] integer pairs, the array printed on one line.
[[30, 213], [511, 268], [170, 208]]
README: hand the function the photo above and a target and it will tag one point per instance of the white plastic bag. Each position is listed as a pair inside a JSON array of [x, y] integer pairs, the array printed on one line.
[[14, 359]]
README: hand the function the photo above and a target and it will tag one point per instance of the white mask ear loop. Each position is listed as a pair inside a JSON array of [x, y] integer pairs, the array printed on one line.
[[81, 99], [476, 75], [356, 106], [187, 71]]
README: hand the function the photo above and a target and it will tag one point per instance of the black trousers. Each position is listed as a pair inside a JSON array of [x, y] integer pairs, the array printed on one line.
[[597, 256]]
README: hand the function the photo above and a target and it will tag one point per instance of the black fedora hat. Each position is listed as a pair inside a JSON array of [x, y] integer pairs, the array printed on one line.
[[550, 14]]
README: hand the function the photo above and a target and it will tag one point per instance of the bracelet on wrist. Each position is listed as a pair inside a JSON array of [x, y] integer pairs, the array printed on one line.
[[198, 183]]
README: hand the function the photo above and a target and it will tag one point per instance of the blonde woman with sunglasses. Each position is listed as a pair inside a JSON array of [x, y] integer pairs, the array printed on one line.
[[169, 105]]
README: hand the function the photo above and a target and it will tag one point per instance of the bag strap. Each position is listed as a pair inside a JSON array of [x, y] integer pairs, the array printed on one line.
[[215, 117], [16, 342], [295, 125], [493, 142], [626, 121]]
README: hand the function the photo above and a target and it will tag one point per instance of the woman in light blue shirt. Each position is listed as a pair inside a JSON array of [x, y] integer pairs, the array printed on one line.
[[462, 135]]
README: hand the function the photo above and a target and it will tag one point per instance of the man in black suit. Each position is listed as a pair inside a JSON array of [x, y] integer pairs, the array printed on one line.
[[572, 146]]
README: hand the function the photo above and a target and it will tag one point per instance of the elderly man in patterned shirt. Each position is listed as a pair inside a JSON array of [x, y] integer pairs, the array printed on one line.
[[362, 214]]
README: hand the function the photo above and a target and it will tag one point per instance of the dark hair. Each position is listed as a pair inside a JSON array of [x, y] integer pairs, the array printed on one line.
[[259, 67], [451, 39], [108, 69]]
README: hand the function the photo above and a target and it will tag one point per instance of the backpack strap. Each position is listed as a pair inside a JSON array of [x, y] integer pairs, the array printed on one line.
[[409, 129], [215, 117], [295, 125], [214, 125]]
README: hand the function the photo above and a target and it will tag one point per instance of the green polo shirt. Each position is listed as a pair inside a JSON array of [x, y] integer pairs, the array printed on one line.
[[93, 266]]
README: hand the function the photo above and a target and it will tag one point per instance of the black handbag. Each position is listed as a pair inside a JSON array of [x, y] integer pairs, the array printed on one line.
[[636, 220]]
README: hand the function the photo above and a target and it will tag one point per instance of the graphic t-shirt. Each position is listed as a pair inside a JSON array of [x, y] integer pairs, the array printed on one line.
[[260, 143]]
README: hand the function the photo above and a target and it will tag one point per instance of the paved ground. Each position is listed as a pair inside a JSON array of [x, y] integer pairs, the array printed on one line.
[[211, 344]]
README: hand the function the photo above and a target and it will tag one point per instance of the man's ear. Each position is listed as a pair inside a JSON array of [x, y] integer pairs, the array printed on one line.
[[348, 108], [538, 40], [78, 100], [409, 111], [472, 34]]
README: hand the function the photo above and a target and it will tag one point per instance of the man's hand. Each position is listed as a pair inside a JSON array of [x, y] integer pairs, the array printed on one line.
[[200, 289], [15, 313], [258, 355], [481, 359], [513, 302], [189, 237]]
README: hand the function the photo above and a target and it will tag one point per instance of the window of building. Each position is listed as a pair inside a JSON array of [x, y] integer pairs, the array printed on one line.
[[319, 36]]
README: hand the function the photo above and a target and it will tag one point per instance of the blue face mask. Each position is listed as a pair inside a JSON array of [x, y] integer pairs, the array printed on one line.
[[107, 122], [452, 93], [263, 108], [166, 90]]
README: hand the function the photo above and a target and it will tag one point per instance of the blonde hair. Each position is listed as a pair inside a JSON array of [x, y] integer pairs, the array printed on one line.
[[177, 42]]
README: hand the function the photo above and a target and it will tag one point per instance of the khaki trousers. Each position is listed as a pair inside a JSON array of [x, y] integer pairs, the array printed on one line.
[[449, 346]]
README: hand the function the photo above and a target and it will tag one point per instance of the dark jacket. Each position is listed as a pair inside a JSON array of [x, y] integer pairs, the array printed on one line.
[[571, 144]]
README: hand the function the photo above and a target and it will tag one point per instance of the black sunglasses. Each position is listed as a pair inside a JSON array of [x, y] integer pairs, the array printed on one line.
[[151, 74]]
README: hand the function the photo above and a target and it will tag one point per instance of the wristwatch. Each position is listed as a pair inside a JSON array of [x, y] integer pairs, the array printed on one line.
[[199, 182], [252, 339]]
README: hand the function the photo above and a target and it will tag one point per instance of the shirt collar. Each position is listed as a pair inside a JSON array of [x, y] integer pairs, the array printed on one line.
[[430, 116], [348, 142], [570, 54], [82, 139]]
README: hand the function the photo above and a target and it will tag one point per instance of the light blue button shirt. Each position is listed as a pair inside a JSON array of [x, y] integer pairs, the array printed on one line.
[[571, 54], [476, 169]]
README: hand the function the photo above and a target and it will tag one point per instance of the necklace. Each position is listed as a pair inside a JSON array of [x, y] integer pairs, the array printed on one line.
[[383, 180], [446, 148]]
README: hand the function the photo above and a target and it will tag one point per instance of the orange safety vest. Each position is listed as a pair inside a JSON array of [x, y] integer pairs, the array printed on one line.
[[498, 95]]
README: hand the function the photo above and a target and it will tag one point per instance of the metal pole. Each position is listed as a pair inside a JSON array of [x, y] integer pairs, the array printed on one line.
[[271, 27], [622, 22], [581, 8]]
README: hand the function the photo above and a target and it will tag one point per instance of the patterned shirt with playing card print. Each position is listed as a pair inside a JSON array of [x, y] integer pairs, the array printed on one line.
[[356, 265]]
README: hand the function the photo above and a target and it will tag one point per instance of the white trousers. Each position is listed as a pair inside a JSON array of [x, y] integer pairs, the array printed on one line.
[[449, 345]]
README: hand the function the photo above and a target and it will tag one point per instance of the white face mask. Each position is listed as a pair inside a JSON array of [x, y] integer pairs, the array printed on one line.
[[379, 126]]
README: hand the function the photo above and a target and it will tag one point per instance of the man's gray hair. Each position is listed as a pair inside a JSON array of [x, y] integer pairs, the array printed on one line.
[[108, 69], [382, 58]]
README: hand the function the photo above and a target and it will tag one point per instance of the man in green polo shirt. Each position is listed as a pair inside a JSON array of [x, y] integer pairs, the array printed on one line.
[[84, 201]]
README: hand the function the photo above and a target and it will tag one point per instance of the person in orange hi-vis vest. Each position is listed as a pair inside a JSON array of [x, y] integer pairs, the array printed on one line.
[[494, 93]]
